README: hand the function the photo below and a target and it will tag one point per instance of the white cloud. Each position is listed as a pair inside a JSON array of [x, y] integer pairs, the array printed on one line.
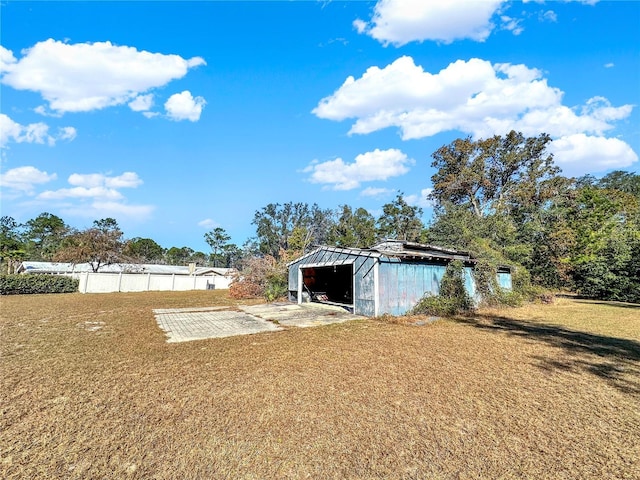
[[580, 154], [67, 133], [464, 95], [421, 200], [399, 22], [182, 106], [474, 97], [609, 65], [97, 195], [32, 133], [103, 209], [585, 2], [126, 180], [86, 180], [6, 59], [208, 223], [9, 129], [370, 166], [376, 192], [360, 25], [90, 76], [81, 192], [24, 179], [141, 103], [549, 16], [511, 24]]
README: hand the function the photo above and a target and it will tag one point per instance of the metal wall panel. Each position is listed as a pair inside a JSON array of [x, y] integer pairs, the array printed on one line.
[[403, 284], [364, 293]]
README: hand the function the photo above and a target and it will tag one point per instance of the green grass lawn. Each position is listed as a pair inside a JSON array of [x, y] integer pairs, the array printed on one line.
[[90, 389]]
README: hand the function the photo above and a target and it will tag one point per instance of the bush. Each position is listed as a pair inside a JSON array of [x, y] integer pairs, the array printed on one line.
[[37, 283], [487, 288], [275, 290], [261, 277], [452, 299], [438, 306], [492, 295]]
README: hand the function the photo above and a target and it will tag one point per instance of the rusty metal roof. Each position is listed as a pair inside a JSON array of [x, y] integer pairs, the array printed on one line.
[[399, 249]]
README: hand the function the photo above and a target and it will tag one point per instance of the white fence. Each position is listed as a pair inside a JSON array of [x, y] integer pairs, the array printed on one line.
[[144, 282]]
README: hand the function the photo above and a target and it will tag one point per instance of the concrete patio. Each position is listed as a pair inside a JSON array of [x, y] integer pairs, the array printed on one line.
[[186, 324]]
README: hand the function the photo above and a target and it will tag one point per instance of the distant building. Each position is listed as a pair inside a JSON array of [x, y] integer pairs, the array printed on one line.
[[129, 277]]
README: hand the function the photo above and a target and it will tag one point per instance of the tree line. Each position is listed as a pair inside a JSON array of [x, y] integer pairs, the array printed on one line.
[[292, 227], [48, 238], [501, 198]]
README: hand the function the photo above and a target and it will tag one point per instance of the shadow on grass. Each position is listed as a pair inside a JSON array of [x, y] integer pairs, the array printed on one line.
[[609, 304], [616, 360]]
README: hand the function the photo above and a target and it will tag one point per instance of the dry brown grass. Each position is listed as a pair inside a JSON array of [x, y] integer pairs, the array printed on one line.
[[90, 389]]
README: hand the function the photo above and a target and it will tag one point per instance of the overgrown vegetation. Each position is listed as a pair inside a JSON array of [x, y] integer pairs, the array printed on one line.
[[36, 283], [504, 199], [452, 299], [262, 277]]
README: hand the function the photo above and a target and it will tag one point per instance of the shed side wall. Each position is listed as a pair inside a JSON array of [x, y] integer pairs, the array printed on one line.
[[403, 284]]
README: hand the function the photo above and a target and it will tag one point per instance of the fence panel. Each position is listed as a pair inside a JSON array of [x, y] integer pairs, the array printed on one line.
[[144, 282]]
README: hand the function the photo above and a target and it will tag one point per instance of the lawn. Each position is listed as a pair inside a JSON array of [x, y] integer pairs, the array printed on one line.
[[90, 389]]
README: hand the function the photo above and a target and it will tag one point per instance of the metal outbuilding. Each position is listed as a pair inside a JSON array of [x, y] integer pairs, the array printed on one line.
[[389, 278]]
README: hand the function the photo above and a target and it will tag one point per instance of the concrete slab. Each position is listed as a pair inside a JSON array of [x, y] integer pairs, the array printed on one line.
[[182, 325], [303, 316], [185, 324], [191, 309]]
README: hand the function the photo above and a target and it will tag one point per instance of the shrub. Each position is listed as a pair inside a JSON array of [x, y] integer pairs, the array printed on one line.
[[37, 283], [487, 288], [275, 290], [261, 277], [437, 305], [492, 295], [452, 299]]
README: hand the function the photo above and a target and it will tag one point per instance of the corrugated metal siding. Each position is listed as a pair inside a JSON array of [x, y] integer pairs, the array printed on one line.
[[364, 292], [470, 283], [293, 277], [403, 284]]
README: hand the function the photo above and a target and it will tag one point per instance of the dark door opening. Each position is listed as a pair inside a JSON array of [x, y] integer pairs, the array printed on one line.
[[332, 284]]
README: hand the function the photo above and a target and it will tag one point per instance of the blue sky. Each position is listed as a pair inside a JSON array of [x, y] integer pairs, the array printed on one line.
[[176, 117]]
